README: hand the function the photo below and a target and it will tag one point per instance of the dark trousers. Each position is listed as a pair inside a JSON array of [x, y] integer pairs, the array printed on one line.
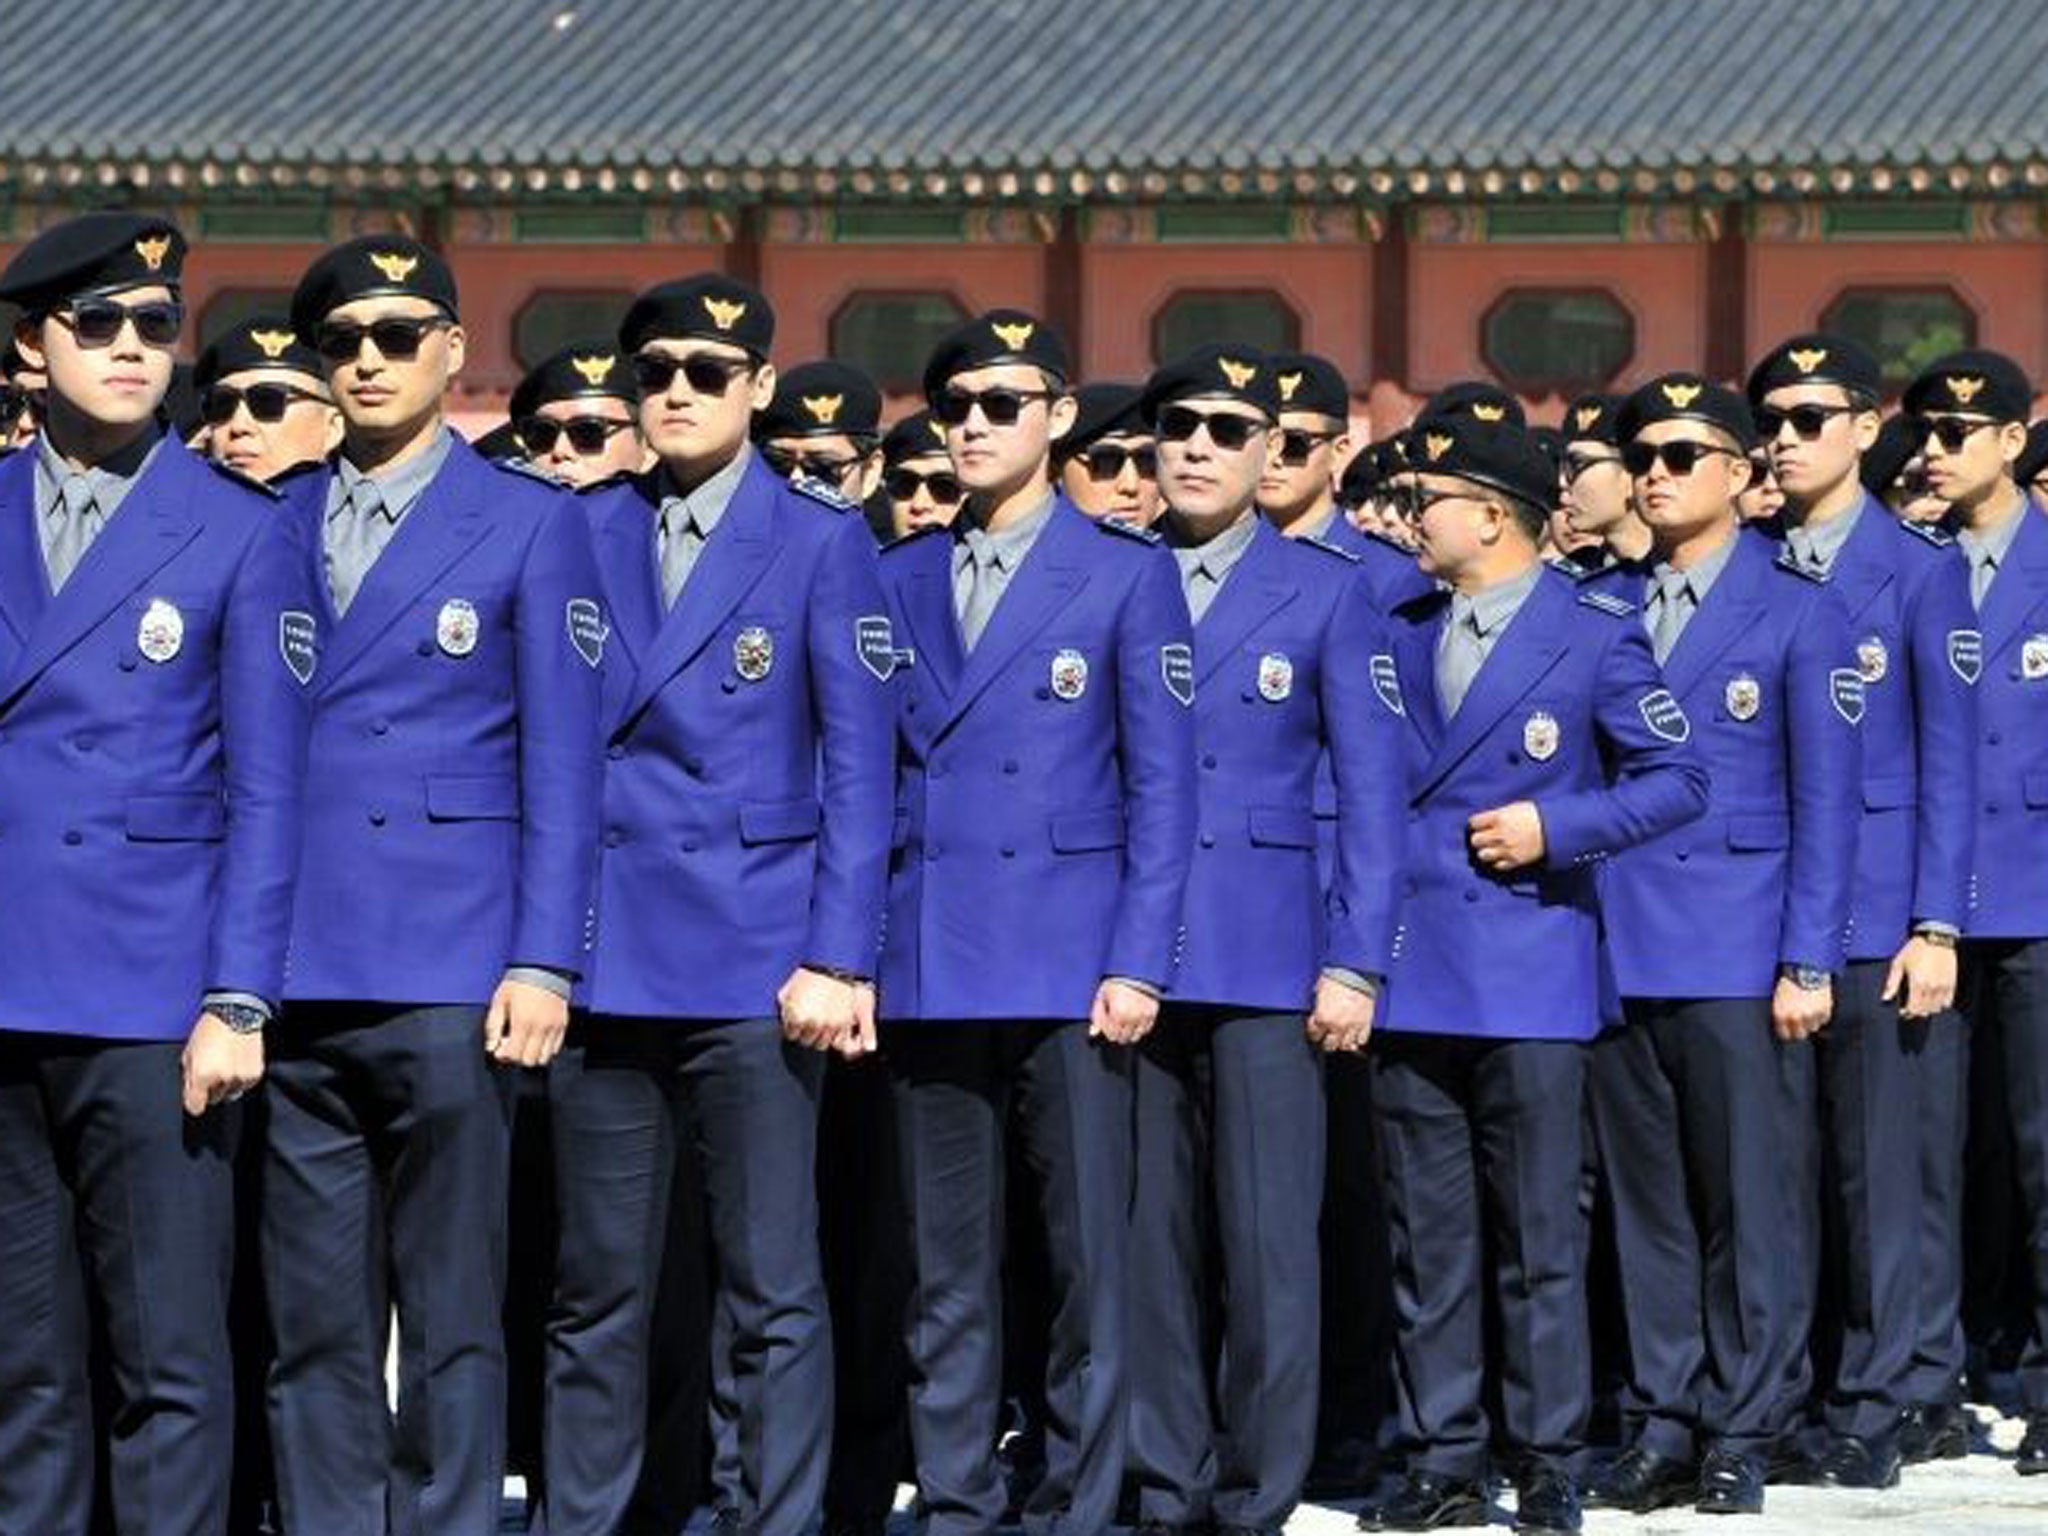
[[1357, 1329], [1870, 1062], [252, 1498], [1701, 1114], [752, 1099], [2006, 993], [1229, 1189], [1483, 1143], [1942, 1115], [115, 1210], [959, 1085], [385, 1186]]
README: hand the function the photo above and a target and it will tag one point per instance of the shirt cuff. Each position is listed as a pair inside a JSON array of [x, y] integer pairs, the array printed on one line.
[[1357, 981], [240, 999], [1950, 930], [561, 983], [1145, 987]]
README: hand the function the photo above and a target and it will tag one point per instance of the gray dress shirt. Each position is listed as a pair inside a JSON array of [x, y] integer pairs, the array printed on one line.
[[687, 520], [985, 563], [74, 505], [1675, 596], [1204, 567], [1469, 635], [1986, 550], [1815, 545], [364, 511]]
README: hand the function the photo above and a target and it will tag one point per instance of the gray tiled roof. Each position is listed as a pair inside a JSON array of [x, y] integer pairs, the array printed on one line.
[[1371, 96]]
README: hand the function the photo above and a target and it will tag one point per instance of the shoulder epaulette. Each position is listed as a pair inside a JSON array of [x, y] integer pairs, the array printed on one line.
[[912, 537], [529, 469], [819, 492], [1789, 564], [615, 478], [1932, 533], [262, 488], [1128, 530], [1608, 603], [1328, 548]]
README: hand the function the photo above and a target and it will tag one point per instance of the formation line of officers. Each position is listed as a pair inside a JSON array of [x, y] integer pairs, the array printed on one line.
[[1646, 817]]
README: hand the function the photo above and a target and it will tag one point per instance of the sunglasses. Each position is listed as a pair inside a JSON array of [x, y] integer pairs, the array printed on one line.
[[266, 402], [1296, 444], [1808, 421], [655, 371], [1106, 461], [1950, 431], [1577, 464], [1410, 502], [816, 465], [999, 407], [1678, 458], [586, 434], [96, 322], [1228, 431], [396, 337], [943, 484]]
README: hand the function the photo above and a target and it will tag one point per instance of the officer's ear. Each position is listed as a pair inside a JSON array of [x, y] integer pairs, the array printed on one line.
[[763, 393], [870, 474], [1741, 473], [1865, 424], [1059, 416], [2012, 441], [458, 349], [28, 341], [332, 434]]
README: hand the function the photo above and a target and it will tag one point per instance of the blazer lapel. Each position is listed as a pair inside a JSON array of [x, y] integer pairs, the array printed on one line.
[[1253, 593], [1731, 610], [23, 592], [928, 612], [1044, 584], [2020, 583], [1859, 576], [624, 543], [1415, 662], [1528, 648]]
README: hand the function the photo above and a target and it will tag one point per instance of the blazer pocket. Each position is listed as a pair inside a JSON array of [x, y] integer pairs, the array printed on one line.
[[1275, 827], [472, 797], [1088, 831], [176, 819], [778, 821], [1892, 792], [2036, 788], [1756, 834]]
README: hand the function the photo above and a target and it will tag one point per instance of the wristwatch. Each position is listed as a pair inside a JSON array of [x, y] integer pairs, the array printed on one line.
[[1940, 938], [242, 1018], [1807, 978]]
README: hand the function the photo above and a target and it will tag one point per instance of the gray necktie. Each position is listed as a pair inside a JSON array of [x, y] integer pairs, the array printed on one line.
[[78, 522], [1673, 601], [975, 597], [1805, 553], [354, 539], [1982, 568], [1203, 584], [682, 541], [1460, 653]]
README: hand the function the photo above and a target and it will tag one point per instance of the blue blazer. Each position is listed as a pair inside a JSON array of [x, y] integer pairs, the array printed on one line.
[[1282, 692], [749, 792], [1766, 672], [1045, 794], [454, 774], [2010, 888], [150, 789], [1570, 712]]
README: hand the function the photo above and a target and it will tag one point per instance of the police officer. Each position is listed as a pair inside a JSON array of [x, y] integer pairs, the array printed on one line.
[[1598, 498], [747, 819], [1047, 771], [1478, 399], [1918, 653], [449, 860], [2030, 469], [1272, 976], [267, 407], [573, 415], [1969, 409], [1540, 739], [918, 477], [1107, 463], [823, 422], [1725, 938], [157, 637]]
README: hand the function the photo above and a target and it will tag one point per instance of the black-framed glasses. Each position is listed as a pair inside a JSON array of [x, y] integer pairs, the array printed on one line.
[[1808, 420], [96, 322], [1410, 502], [1227, 430], [655, 371], [267, 402], [397, 338], [1577, 464], [1297, 443], [818, 466], [586, 434], [942, 485], [1106, 461], [1949, 431], [1000, 406], [1679, 458]]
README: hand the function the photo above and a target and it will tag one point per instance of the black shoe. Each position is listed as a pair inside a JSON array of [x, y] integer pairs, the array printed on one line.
[[873, 1526], [1641, 1480], [1933, 1432], [726, 1520], [1345, 1470], [1158, 1528], [1426, 1501], [1730, 1484], [1787, 1461], [1851, 1461], [2033, 1457], [1547, 1504], [1245, 1530]]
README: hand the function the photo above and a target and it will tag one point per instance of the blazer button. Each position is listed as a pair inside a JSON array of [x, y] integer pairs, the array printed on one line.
[[1471, 895], [613, 837], [1010, 765], [73, 839], [689, 844], [1684, 854], [424, 648], [615, 753], [1993, 738], [694, 767], [1208, 759], [931, 853], [380, 728], [729, 684], [127, 663], [1041, 693], [84, 743], [1208, 839], [377, 818], [1009, 852]]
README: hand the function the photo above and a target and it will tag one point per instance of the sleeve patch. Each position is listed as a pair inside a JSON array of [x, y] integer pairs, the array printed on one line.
[[1845, 689], [298, 641], [1665, 718], [587, 630], [1966, 654], [1386, 682], [874, 643], [1177, 670]]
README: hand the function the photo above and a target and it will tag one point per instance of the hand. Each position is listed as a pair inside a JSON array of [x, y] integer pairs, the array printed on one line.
[[1342, 1017], [817, 1010], [525, 1024], [861, 1040], [1122, 1014], [1509, 838], [219, 1065], [1928, 974], [1796, 1013]]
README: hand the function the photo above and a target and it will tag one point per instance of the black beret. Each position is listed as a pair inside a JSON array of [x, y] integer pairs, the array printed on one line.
[[1980, 382], [1237, 373], [587, 371], [1000, 336], [1369, 469], [1310, 383], [823, 399], [1499, 455], [707, 307], [2034, 457], [1103, 410], [264, 341], [180, 407], [1885, 459], [914, 437], [373, 267], [1551, 441], [1818, 359], [1590, 419], [1686, 397], [93, 253], [1475, 398]]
